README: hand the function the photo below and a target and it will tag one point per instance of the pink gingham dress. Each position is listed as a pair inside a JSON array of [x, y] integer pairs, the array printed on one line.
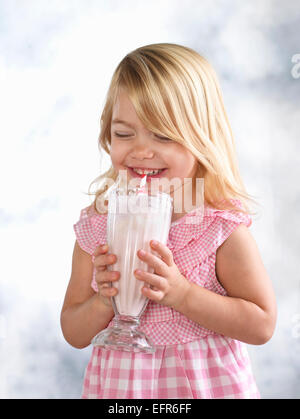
[[190, 362]]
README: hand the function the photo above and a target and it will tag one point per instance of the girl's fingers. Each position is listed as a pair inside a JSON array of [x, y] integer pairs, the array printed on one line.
[[154, 262], [98, 257], [156, 282], [163, 251], [102, 261], [103, 248], [153, 294], [107, 276], [107, 291]]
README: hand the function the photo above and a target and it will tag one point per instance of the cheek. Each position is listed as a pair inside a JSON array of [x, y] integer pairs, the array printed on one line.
[[191, 163], [185, 164], [193, 166], [116, 154]]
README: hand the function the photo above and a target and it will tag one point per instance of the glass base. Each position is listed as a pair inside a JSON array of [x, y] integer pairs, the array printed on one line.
[[124, 335]]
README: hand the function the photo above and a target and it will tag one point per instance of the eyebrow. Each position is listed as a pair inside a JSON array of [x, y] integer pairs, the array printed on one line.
[[120, 121]]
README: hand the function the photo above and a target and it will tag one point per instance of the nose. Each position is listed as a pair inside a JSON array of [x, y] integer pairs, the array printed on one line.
[[142, 150]]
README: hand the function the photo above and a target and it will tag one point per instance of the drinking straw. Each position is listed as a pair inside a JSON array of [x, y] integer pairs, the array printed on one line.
[[142, 186]]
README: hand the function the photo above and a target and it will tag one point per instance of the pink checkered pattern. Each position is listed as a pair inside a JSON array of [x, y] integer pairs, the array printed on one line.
[[190, 361], [213, 367]]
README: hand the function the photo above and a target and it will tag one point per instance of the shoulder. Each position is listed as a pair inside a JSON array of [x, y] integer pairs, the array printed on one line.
[[238, 252], [239, 258], [238, 243]]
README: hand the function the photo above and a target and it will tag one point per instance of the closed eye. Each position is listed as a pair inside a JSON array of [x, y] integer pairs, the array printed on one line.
[[165, 139], [121, 135]]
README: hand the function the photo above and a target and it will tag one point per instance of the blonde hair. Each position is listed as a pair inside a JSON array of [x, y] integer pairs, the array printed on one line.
[[176, 93]]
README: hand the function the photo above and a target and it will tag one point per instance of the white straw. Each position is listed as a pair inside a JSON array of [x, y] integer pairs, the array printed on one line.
[[142, 184]]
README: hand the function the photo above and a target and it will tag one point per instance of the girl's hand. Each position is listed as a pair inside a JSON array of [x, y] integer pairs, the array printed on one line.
[[103, 276], [168, 286]]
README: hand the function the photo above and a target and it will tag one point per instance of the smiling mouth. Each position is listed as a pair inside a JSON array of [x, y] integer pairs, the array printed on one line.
[[149, 172]]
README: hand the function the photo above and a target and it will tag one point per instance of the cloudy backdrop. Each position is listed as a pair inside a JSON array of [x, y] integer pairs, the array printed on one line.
[[56, 61]]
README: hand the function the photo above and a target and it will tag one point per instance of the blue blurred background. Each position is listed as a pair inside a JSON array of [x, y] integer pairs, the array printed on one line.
[[56, 61]]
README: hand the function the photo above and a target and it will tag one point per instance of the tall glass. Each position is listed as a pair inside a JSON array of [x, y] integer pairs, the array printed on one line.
[[133, 219]]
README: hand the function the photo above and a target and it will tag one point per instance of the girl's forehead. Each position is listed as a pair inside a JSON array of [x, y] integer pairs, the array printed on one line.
[[123, 102], [123, 110]]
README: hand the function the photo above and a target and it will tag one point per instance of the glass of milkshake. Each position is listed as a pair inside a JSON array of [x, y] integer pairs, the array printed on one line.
[[135, 216]]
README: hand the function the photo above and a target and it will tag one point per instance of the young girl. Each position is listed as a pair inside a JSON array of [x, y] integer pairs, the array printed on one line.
[[210, 293]]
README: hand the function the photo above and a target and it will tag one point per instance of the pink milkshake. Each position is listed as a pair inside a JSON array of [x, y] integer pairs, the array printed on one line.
[[134, 218]]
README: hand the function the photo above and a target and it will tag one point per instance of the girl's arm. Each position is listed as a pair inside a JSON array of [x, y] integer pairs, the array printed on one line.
[[248, 312], [83, 313]]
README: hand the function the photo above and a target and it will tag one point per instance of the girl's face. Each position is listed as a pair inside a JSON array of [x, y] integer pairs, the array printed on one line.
[[134, 148]]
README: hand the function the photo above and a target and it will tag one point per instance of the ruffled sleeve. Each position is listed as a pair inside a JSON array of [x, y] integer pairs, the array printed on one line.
[[193, 243], [90, 232], [221, 224]]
